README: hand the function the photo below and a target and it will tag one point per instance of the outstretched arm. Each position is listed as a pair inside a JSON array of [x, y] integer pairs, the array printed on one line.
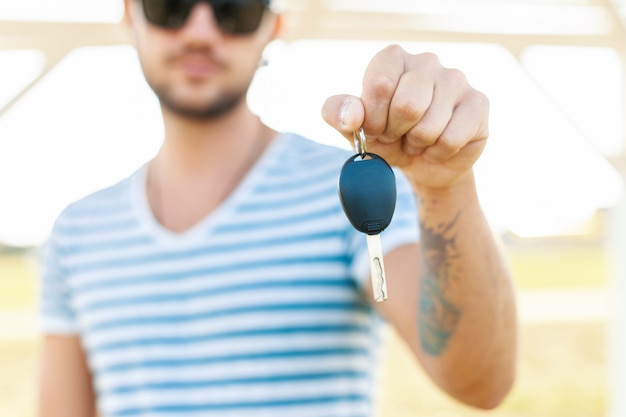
[[451, 297], [458, 312]]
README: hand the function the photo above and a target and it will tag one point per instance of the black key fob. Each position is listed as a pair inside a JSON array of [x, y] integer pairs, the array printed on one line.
[[367, 191]]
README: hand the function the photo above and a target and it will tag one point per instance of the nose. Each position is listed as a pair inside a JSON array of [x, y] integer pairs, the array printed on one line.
[[201, 23]]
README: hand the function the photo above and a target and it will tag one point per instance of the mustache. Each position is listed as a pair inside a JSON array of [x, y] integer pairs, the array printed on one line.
[[205, 54]]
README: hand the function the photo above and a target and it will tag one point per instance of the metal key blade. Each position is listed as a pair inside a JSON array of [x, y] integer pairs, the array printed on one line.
[[367, 191], [377, 267]]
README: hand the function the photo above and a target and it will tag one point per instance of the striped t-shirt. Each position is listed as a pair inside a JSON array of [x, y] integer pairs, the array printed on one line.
[[255, 311]]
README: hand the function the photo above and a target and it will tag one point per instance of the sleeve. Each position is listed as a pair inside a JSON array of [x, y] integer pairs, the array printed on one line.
[[56, 313], [402, 230]]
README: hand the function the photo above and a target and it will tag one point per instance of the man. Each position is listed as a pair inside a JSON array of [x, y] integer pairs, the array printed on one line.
[[223, 278]]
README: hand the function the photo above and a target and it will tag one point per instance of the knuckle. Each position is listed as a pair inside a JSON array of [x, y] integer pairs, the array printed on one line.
[[480, 100], [447, 145], [455, 78], [421, 136], [429, 61], [383, 86], [443, 149], [386, 139], [408, 108], [394, 49]]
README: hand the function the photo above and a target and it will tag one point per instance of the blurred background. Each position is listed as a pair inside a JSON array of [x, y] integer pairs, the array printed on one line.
[[76, 115]]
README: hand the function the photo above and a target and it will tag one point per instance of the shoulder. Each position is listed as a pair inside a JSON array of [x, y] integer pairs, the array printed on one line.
[[110, 200], [300, 149]]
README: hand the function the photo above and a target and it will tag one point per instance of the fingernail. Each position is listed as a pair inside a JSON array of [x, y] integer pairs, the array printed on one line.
[[344, 113]]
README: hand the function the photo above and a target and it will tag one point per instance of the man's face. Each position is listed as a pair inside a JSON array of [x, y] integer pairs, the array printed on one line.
[[197, 71]]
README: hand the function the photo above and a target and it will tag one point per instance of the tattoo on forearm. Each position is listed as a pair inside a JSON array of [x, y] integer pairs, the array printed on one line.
[[438, 317]]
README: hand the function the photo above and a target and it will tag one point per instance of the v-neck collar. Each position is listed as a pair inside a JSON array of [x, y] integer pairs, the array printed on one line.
[[203, 227]]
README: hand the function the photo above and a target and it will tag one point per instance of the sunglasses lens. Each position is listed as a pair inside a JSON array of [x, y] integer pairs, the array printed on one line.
[[233, 16], [238, 16], [167, 13]]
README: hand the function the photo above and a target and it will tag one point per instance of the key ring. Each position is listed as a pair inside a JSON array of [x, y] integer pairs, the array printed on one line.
[[360, 142]]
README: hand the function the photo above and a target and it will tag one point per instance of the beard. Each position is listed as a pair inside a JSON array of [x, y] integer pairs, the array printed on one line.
[[200, 112]]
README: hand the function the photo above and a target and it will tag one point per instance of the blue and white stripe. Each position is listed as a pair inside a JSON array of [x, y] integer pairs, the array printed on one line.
[[256, 311]]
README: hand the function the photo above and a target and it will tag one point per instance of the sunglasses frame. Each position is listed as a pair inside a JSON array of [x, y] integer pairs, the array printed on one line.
[[172, 21]]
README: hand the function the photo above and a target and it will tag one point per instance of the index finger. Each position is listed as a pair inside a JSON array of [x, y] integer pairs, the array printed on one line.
[[380, 82]]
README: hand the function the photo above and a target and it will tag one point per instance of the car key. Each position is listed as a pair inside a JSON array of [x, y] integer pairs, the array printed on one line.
[[367, 191]]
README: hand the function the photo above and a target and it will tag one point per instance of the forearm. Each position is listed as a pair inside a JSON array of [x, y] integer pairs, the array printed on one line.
[[466, 308]]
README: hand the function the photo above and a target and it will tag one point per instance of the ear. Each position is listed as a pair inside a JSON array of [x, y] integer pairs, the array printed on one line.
[[277, 26], [127, 18]]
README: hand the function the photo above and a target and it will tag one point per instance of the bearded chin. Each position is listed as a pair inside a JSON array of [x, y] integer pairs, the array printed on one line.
[[209, 111]]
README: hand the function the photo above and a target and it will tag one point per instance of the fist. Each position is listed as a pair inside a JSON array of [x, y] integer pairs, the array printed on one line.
[[420, 116]]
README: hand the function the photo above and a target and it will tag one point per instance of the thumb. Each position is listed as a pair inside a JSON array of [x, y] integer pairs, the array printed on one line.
[[344, 113]]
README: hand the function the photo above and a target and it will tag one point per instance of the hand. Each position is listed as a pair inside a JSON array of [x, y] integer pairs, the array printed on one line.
[[421, 117]]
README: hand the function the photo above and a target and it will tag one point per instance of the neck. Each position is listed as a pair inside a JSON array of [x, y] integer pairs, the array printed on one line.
[[194, 146], [200, 164]]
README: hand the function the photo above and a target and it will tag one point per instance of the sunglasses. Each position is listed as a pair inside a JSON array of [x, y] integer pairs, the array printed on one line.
[[234, 17]]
